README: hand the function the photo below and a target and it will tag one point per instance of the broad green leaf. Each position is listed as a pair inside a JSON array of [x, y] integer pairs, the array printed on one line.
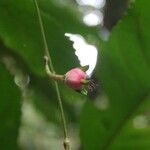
[[10, 110], [136, 133], [125, 72], [132, 138], [19, 30]]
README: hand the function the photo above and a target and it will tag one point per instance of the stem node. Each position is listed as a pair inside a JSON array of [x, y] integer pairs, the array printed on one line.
[[66, 144]]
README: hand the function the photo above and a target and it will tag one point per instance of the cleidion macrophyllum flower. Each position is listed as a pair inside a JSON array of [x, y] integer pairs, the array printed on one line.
[[75, 78]]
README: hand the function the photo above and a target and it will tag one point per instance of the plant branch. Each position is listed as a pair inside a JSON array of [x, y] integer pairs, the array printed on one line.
[[43, 35], [53, 75]]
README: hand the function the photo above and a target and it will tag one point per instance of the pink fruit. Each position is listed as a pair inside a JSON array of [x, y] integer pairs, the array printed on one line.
[[73, 78]]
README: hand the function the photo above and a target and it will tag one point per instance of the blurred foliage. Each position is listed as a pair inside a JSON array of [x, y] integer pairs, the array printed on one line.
[[135, 134], [10, 113], [123, 70]]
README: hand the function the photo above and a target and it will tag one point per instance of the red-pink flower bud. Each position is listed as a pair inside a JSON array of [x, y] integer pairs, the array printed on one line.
[[73, 78]]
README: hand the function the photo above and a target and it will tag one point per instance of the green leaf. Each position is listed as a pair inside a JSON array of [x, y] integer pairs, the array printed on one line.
[[136, 133], [20, 31], [10, 111], [125, 72]]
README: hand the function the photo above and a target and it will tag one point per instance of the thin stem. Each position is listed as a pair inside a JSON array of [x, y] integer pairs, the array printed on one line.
[[52, 72], [43, 35], [66, 140]]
